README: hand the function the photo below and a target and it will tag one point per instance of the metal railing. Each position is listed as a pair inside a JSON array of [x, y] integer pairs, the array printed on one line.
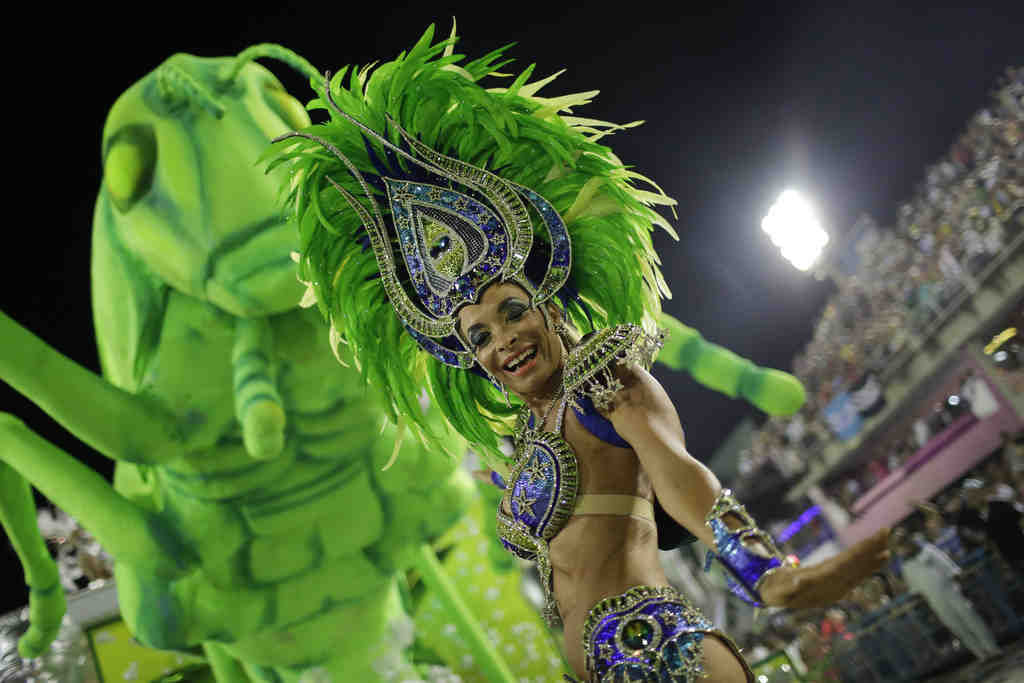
[[905, 640]]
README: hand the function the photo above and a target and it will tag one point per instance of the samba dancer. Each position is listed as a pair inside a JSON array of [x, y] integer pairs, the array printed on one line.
[[489, 229]]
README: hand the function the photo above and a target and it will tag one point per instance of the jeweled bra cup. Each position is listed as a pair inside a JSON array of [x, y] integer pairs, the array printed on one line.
[[541, 495]]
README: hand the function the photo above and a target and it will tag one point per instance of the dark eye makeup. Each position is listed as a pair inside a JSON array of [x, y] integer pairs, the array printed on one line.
[[478, 338], [513, 309]]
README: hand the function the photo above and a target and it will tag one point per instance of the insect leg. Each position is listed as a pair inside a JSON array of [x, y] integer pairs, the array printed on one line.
[[716, 367], [257, 401], [129, 533], [46, 597], [120, 425], [225, 668]]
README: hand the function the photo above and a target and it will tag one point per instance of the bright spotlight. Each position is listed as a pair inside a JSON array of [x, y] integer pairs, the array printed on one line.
[[795, 230]]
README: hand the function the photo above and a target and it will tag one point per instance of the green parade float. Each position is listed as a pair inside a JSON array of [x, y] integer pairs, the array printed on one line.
[[270, 510]]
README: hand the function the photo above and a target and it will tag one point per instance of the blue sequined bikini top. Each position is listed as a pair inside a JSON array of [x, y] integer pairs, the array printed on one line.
[[547, 477], [541, 490], [543, 482]]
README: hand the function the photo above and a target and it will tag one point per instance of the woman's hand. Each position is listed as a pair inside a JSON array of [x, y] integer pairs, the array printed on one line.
[[826, 582]]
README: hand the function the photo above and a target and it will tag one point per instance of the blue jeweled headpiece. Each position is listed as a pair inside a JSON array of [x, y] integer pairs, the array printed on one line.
[[455, 228]]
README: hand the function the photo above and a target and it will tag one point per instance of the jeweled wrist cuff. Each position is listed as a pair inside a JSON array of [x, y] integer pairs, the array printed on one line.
[[745, 569]]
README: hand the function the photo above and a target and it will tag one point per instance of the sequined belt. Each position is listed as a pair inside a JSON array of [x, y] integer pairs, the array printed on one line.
[[649, 633]]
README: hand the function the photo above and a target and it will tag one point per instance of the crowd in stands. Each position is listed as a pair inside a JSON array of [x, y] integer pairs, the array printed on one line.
[[900, 282], [978, 521], [961, 553], [974, 398]]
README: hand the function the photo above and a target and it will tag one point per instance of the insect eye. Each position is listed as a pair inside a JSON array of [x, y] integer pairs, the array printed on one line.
[[128, 164]]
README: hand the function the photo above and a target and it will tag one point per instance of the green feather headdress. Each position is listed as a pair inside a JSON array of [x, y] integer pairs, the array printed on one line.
[[511, 131]]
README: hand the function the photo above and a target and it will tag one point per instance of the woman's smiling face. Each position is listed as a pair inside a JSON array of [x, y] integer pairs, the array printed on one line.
[[511, 340]]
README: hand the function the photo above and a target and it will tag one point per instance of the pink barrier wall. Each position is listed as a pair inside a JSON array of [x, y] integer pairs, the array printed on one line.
[[946, 457]]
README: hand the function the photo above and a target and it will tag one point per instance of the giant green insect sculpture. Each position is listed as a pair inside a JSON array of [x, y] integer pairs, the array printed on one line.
[[252, 512]]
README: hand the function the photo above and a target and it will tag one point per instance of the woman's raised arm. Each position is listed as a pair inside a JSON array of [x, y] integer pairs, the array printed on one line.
[[645, 417]]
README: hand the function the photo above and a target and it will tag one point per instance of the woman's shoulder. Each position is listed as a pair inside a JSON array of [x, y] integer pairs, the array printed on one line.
[[607, 362], [627, 341]]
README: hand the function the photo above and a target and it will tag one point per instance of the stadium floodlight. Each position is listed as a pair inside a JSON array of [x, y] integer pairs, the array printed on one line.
[[795, 230]]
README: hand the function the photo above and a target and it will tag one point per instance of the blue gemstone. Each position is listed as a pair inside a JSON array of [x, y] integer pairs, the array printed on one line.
[[672, 656], [421, 289]]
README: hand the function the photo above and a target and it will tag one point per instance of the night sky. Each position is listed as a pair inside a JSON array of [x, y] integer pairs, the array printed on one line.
[[740, 101]]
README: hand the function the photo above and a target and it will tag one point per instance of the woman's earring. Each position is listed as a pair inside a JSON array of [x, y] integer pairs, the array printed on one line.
[[563, 332], [557, 326]]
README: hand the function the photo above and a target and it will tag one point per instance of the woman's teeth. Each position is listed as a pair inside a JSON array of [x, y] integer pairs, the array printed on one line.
[[521, 359]]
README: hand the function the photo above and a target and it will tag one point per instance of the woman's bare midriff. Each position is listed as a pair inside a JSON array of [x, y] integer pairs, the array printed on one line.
[[599, 556], [595, 557]]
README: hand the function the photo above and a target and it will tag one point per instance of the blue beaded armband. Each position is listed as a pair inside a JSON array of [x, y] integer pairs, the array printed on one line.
[[745, 569]]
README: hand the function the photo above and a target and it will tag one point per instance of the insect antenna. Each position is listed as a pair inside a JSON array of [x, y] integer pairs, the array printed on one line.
[[273, 51], [177, 87]]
